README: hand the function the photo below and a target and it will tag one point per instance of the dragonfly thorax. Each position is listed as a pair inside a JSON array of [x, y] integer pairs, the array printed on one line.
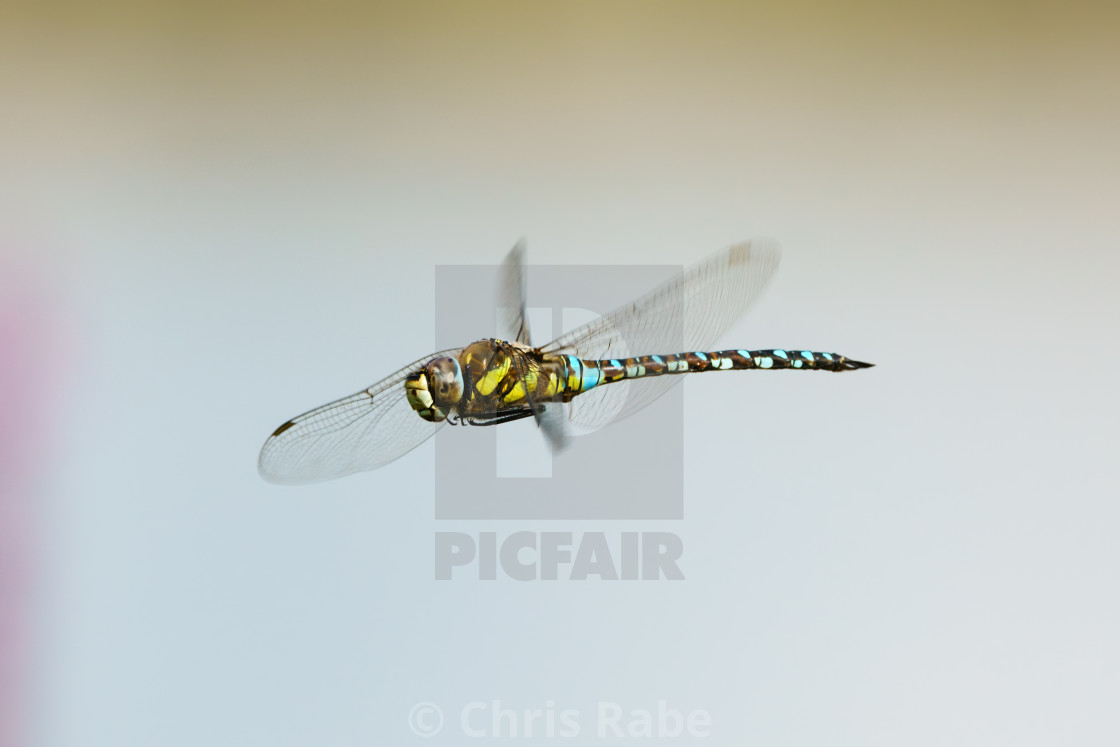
[[434, 390]]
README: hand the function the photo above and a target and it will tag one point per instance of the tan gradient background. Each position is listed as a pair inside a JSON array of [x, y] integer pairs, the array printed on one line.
[[235, 210]]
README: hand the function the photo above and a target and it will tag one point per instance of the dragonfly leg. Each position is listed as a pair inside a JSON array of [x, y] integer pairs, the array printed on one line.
[[498, 417]]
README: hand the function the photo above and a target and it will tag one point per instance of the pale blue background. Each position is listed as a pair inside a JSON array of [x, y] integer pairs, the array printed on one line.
[[242, 212]]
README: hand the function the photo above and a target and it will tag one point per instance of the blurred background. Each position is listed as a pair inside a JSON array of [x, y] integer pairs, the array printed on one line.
[[214, 216]]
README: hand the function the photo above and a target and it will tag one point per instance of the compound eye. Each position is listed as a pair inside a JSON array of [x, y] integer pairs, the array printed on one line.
[[420, 398], [445, 381]]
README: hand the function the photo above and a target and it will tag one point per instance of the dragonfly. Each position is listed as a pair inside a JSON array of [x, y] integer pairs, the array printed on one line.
[[607, 369]]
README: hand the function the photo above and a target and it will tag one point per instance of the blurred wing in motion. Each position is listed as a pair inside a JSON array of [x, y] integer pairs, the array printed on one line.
[[361, 432], [513, 324], [691, 311], [551, 417]]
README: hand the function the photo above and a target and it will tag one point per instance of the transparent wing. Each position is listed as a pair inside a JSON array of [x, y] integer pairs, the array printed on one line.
[[689, 312], [361, 432], [512, 322]]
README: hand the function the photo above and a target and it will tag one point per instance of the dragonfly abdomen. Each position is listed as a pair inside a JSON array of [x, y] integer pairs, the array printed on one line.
[[587, 374]]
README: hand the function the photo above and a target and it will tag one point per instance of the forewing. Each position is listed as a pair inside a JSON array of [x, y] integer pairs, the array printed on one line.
[[691, 311], [361, 432], [512, 322]]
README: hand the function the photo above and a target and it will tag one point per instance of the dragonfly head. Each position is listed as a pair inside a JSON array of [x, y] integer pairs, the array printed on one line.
[[433, 391]]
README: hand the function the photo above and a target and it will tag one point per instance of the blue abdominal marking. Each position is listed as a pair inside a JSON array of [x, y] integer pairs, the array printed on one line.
[[592, 376]]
